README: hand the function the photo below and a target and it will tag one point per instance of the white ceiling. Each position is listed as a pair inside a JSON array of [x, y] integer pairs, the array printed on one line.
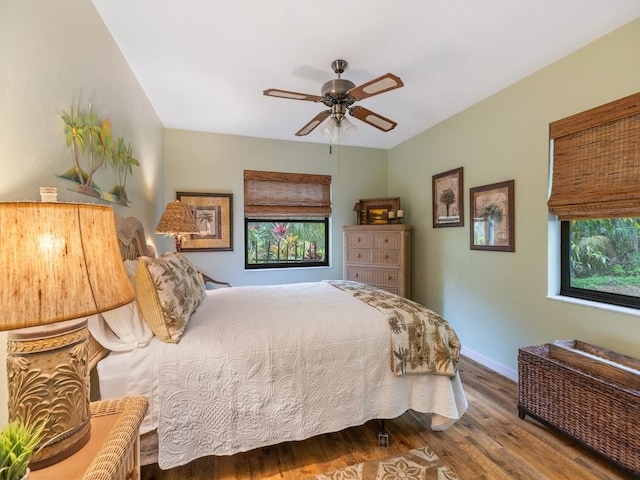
[[204, 63]]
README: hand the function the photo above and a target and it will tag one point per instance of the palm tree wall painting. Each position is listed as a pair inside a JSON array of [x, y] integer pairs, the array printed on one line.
[[213, 213], [448, 208], [493, 217]]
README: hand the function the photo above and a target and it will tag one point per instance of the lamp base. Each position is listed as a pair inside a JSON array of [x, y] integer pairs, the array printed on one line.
[[48, 374]]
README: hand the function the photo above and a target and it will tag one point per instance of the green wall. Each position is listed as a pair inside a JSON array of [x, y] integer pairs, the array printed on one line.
[[209, 162], [53, 53], [499, 301]]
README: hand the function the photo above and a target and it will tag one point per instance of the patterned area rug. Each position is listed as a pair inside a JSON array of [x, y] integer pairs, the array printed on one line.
[[417, 464]]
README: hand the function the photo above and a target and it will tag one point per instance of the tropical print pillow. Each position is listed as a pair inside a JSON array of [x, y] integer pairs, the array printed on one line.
[[169, 290]]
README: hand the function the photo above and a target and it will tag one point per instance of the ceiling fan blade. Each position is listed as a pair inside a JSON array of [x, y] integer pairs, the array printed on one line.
[[315, 121], [272, 92], [373, 119], [374, 87]]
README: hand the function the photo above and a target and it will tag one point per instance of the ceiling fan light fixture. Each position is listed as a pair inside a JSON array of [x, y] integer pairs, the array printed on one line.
[[330, 130], [338, 112], [339, 94], [347, 127], [335, 130]]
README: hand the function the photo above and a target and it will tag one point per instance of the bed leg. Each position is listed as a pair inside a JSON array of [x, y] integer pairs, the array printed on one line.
[[383, 436]]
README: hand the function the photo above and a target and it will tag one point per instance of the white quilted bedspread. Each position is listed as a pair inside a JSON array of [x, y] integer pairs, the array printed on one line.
[[262, 365]]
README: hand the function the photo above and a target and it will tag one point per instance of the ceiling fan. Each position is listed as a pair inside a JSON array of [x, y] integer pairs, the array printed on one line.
[[339, 95]]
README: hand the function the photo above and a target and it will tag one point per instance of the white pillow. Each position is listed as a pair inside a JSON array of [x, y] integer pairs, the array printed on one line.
[[130, 266], [121, 329]]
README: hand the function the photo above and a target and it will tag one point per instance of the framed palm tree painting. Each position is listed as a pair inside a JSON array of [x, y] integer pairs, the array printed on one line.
[[447, 191], [492, 211], [213, 213]]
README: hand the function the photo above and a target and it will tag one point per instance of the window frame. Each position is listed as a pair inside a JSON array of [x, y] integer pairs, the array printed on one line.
[[594, 175], [307, 264], [281, 197], [581, 293]]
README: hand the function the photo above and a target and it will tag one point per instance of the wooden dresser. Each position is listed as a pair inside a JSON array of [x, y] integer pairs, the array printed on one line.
[[379, 255]]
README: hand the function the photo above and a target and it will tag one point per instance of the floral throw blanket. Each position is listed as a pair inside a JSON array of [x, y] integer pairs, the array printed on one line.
[[422, 342]]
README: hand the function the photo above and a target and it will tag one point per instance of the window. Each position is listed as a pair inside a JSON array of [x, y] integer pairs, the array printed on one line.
[[595, 194], [286, 219], [286, 243], [601, 260]]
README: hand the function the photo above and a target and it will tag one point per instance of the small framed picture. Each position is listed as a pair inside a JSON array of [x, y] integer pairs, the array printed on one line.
[[448, 204], [377, 216], [378, 211], [213, 213], [493, 217]]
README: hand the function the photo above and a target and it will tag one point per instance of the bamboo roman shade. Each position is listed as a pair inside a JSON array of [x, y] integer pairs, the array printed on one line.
[[596, 162], [286, 195]]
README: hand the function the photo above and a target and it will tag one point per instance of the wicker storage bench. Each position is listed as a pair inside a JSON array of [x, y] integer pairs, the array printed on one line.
[[569, 386]]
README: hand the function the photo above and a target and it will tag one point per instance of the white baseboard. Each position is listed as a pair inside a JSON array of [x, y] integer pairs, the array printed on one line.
[[503, 370]]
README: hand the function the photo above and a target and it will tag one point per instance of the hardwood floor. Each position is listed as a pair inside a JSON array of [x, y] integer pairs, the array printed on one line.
[[490, 442]]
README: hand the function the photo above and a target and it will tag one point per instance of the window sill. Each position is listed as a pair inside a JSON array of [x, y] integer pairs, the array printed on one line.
[[601, 306], [284, 269]]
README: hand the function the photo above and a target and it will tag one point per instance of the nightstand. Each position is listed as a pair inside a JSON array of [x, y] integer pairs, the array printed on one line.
[[113, 452]]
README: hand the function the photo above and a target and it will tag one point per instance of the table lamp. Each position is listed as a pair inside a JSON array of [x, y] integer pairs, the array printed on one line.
[[177, 220], [60, 263]]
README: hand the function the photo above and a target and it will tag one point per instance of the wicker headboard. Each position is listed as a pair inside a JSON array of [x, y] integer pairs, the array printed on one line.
[[131, 239], [133, 244]]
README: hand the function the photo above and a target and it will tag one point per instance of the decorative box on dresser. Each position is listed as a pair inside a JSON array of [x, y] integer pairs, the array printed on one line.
[[379, 255]]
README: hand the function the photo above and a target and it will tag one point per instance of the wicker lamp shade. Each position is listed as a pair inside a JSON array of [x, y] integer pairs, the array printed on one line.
[[177, 219], [60, 263]]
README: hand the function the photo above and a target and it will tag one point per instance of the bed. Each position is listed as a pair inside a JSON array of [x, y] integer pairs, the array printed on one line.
[[259, 365]]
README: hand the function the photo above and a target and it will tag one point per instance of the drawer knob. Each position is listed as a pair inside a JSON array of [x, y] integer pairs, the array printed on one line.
[[355, 275], [358, 256], [386, 257], [386, 240], [389, 277], [359, 239]]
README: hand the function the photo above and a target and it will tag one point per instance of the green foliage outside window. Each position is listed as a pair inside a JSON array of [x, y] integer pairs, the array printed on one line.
[[604, 255], [283, 243]]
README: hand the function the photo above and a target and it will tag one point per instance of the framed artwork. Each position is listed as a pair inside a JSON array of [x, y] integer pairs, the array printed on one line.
[[493, 217], [377, 216], [213, 213], [378, 211], [448, 203]]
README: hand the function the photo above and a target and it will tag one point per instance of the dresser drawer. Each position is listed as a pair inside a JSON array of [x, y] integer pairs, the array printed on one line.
[[364, 256], [391, 240], [386, 257], [373, 276], [358, 240]]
